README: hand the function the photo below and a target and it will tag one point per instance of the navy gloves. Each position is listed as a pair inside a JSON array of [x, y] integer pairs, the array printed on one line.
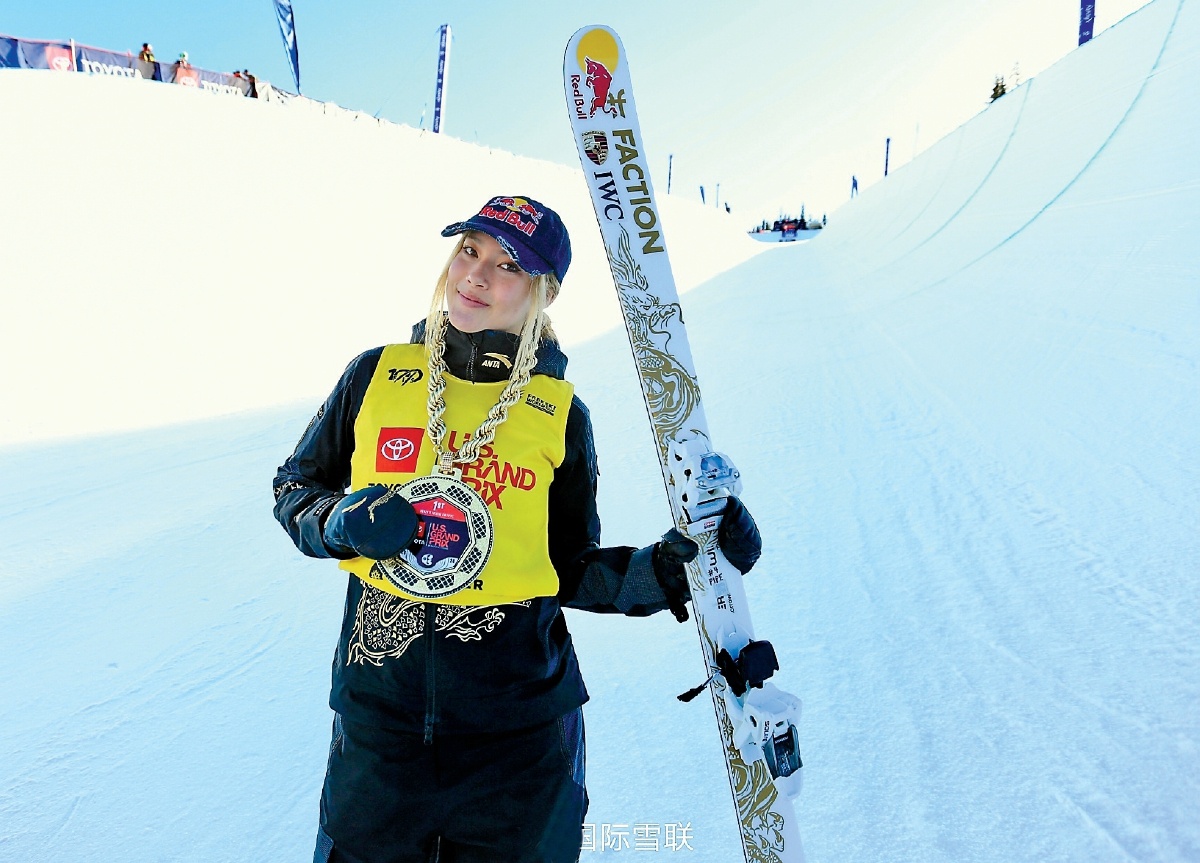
[[738, 536], [740, 542], [669, 556], [374, 522]]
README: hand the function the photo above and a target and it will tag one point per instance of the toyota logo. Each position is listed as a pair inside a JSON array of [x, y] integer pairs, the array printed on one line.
[[397, 449]]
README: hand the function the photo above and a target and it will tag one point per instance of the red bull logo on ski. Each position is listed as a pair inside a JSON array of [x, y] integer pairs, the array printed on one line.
[[599, 80], [598, 55]]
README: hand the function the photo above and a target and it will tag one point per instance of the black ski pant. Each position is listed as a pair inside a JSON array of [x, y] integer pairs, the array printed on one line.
[[516, 796]]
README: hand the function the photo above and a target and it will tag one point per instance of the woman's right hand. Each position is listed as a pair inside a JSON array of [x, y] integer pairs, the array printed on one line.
[[669, 557], [374, 522]]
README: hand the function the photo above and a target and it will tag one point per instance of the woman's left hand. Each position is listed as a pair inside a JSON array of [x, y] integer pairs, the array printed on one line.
[[738, 536], [740, 542]]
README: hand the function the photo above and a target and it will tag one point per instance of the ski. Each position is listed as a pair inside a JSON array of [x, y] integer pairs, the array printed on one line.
[[756, 720]]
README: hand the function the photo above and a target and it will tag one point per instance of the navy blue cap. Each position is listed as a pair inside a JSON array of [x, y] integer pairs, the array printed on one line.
[[531, 233]]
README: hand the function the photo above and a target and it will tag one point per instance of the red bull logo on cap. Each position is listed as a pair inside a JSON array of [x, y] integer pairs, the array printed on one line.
[[515, 212], [518, 205]]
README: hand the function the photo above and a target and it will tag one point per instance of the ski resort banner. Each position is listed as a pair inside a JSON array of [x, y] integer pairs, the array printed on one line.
[[68, 57], [31, 54], [219, 82], [97, 61]]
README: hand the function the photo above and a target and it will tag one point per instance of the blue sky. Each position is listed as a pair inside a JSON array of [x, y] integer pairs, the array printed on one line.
[[779, 104]]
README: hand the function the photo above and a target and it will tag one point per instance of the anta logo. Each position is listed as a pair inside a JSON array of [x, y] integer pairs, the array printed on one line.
[[405, 376], [496, 361], [398, 449], [540, 404]]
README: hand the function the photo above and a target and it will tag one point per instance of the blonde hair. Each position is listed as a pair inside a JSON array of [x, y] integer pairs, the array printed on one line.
[[535, 328]]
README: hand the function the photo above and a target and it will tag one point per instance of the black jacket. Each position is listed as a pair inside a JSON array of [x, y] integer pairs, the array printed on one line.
[[485, 668]]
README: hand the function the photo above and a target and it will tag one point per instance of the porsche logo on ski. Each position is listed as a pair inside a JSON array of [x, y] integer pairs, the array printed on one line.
[[595, 144]]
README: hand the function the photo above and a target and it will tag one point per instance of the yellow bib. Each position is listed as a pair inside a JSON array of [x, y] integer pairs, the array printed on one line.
[[512, 474]]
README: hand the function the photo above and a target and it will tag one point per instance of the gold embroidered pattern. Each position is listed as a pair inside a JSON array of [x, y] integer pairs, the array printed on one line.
[[385, 626]]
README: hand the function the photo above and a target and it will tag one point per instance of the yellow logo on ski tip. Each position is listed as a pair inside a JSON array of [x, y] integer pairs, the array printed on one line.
[[600, 46]]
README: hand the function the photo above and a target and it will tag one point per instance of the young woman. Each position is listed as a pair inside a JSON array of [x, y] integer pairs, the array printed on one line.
[[471, 522]]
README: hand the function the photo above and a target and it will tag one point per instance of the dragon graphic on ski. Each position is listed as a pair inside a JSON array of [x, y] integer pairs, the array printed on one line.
[[673, 395], [756, 720]]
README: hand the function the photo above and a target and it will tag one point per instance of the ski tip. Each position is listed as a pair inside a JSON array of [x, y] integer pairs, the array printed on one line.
[[575, 37], [597, 44]]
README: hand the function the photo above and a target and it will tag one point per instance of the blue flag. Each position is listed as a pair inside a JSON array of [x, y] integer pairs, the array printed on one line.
[[1087, 14], [439, 102], [287, 29]]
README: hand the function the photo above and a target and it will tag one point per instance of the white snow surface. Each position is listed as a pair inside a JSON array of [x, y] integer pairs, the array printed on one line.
[[966, 415]]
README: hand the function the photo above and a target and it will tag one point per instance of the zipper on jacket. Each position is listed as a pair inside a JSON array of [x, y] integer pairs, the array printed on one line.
[[430, 686], [474, 358]]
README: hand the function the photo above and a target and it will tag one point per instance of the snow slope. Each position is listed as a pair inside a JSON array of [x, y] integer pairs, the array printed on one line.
[[194, 220], [966, 414]]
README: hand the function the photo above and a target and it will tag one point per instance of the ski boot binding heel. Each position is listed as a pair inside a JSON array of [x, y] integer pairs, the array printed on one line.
[[764, 716], [768, 725]]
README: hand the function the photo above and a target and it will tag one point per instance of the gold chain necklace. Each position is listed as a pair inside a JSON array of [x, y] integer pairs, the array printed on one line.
[[486, 433]]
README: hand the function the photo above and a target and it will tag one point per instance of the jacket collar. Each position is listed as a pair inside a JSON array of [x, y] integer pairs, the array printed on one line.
[[488, 356]]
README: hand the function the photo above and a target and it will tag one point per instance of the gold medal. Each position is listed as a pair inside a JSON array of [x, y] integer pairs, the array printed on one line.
[[454, 541]]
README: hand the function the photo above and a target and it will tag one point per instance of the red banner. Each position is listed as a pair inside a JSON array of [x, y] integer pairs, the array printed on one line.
[[60, 58], [187, 76]]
